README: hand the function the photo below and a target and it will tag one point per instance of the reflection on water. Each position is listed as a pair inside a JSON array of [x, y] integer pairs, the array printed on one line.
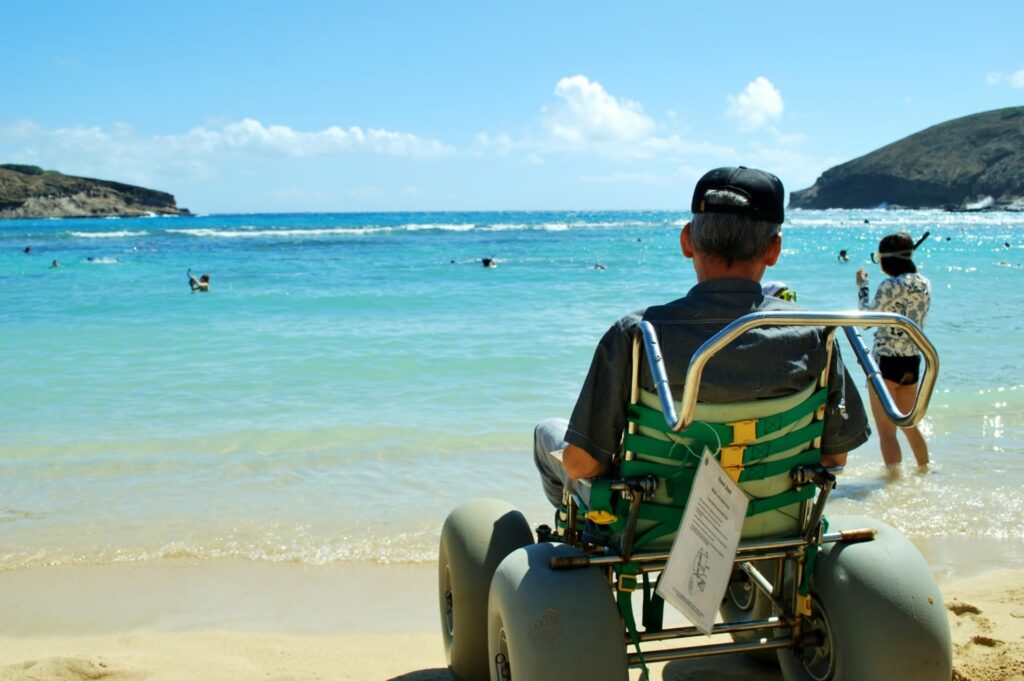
[[351, 378]]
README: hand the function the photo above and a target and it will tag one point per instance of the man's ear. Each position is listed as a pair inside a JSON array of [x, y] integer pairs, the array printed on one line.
[[771, 256], [684, 241]]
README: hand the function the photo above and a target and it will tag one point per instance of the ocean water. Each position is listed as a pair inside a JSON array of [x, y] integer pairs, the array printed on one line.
[[350, 378]]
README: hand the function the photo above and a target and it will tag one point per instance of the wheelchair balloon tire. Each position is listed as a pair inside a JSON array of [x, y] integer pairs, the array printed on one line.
[[475, 538], [553, 624]]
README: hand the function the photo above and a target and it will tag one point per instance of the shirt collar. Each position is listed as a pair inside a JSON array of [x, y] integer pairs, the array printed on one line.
[[726, 286]]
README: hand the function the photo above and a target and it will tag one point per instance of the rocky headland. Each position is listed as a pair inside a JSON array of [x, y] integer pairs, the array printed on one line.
[[970, 163], [31, 192]]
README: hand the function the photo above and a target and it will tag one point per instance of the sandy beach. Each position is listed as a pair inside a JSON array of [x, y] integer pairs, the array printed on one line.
[[183, 619]]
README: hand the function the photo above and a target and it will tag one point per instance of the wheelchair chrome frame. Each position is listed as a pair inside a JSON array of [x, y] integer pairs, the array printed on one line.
[[849, 321], [789, 612]]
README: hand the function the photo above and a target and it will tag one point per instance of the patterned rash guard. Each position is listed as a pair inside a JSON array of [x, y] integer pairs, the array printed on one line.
[[907, 294]]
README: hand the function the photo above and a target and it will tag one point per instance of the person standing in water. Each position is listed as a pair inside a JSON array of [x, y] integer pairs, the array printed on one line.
[[908, 293]]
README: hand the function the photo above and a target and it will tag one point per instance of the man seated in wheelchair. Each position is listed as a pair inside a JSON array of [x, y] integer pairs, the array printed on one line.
[[792, 373]]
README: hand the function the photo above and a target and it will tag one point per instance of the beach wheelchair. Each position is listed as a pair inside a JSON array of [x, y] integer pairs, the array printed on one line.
[[829, 598]]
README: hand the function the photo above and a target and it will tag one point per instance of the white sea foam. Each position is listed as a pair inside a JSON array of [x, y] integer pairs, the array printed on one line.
[[984, 202], [557, 226], [120, 234], [414, 227], [254, 233]]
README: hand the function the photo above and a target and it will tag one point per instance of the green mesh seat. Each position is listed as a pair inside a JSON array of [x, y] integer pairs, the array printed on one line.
[[758, 443]]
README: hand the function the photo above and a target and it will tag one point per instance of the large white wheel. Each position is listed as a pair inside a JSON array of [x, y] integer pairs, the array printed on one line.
[[876, 611], [475, 538], [553, 624]]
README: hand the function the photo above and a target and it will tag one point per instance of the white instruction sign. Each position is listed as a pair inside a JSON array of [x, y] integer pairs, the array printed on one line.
[[700, 564]]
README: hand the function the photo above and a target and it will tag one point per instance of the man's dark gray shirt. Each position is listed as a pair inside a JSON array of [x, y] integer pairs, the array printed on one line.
[[763, 363]]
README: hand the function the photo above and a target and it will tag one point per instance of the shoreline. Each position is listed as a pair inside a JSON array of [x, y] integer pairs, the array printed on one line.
[[219, 620]]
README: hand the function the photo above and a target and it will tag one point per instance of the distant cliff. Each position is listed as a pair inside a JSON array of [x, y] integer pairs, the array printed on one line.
[[31, 192], [968, 163]]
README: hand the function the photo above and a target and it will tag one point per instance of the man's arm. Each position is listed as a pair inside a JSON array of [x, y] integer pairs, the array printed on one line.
[[579, 464], [833, 460], [599, 417]]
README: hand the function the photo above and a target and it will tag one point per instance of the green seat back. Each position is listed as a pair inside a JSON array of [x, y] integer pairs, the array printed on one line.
[[783, 437]]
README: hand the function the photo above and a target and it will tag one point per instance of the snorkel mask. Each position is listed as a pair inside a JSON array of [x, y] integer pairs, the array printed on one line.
[[903, 254]]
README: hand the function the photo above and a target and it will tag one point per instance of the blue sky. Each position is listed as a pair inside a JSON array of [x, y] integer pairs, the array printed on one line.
[[366, 106]]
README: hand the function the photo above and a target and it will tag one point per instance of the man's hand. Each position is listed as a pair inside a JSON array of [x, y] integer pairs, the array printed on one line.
[[579, 464], [862, 278]]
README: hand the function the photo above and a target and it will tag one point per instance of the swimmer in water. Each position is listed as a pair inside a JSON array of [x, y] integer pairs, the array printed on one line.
[[54, 265], [28, 249], [599, 266], [200, 284], [489, 262], [843, 257]]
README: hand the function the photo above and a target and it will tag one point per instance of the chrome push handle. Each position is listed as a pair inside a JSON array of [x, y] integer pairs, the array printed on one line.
[[850, 323]]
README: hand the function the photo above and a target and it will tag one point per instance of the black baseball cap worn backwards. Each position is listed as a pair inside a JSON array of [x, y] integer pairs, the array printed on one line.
[[762, 189]]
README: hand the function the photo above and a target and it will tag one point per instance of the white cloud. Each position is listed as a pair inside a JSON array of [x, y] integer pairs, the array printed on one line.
[[587, 118], [249, 135], [121, 152], [501, 144], [586, 113], [759, 103], [1014, 80], [202, 154]]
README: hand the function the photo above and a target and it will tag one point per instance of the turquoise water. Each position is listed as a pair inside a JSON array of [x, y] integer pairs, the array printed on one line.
[[351, 377]]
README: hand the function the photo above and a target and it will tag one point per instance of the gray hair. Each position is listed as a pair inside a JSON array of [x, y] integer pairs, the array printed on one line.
[[731, 236]]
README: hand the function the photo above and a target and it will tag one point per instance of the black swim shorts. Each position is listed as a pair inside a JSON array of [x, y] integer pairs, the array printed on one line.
[[900, 370]]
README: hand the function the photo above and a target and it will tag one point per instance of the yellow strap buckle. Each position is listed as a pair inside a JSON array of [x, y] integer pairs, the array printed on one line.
[[744, 431], [601, 517], [627, 583], [804, 605], [731, 458]]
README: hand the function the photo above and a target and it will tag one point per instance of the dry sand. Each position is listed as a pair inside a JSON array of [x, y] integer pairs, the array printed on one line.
[[237, 620]]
